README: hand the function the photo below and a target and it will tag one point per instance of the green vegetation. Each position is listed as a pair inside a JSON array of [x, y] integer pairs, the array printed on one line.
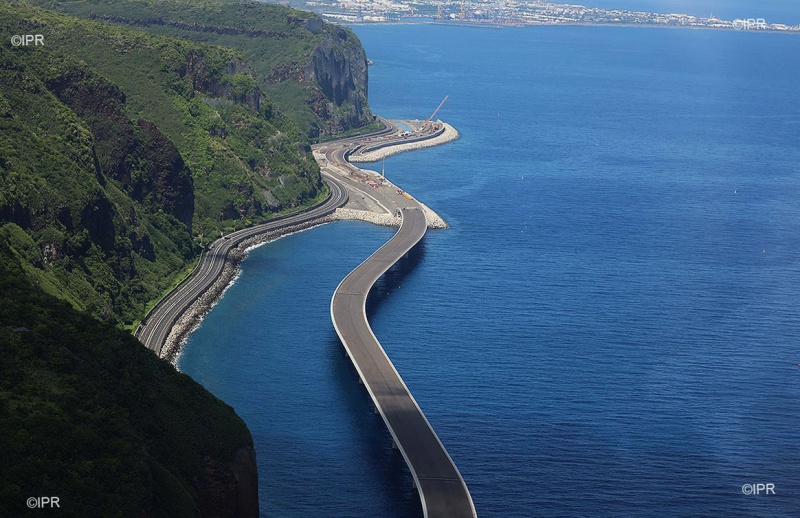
[[118, 147], [125, 146], [315, 72], [89, 415]]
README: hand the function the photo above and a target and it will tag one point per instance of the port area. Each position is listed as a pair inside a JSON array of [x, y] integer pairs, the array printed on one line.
[[373, 197]]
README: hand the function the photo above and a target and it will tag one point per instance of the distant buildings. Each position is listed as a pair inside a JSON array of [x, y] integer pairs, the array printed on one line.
[[518, 13]]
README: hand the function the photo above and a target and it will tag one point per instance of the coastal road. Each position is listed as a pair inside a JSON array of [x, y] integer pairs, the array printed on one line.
[[333, 159], [156, 326], [442, 490]]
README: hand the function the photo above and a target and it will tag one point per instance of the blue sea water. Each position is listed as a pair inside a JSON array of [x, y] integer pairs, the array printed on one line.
[[609, 327]]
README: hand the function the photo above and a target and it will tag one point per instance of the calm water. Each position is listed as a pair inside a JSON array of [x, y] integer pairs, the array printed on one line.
[[609, 328]]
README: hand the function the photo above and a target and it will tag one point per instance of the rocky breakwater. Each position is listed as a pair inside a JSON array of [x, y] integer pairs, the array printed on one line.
[[385, 219], [194, 314], [449, 134]]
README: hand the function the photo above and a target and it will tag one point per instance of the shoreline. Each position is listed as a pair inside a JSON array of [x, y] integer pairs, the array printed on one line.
[[194, 315], [191, 319], [448, 135], [574, 23]]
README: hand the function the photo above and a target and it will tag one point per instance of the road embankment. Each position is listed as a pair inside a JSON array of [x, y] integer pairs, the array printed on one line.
[[191, 318], [449, 134], [385, 219], [169, 323]]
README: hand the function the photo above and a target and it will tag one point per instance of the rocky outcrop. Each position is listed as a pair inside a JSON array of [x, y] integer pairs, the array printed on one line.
[[237, 85], [336, 72], [170, 179], [338, 67], [245, 470], [139, 156]]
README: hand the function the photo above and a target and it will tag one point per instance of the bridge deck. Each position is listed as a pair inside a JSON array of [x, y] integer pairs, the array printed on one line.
[[441, 488]]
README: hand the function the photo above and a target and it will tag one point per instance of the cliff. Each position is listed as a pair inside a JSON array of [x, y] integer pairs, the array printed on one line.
[[90, 416], [315, 72], [122, 152], [338, 68]]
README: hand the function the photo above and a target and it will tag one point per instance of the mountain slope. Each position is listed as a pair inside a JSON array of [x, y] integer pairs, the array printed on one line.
[[118, 145], [315, 71], [88, 415]]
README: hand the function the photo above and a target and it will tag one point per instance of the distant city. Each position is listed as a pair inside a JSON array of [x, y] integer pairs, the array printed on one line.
[[517, 14]]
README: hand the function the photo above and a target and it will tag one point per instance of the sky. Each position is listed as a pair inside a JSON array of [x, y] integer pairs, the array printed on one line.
[[773, 11]]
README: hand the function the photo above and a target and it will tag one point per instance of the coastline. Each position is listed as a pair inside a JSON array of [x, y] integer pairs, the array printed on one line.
[[193, 315], [448, 135], [191, 319]]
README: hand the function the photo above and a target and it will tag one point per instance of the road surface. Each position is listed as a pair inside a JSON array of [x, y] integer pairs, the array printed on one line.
[[442, 490], [156, 326]]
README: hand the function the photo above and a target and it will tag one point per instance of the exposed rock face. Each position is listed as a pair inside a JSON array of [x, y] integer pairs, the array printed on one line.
[[245, 470], [140, 157], [203, 80], [339, 68], [171, 180], [337, 73]]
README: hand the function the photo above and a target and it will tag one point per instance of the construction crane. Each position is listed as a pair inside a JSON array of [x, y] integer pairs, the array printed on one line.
[[429, 120]]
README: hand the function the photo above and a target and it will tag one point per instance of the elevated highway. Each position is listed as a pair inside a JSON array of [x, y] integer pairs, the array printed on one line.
[[442, 490]]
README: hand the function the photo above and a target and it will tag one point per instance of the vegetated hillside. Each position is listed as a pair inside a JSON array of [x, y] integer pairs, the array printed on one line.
[[90, 416], [316, 72], [116, 145]]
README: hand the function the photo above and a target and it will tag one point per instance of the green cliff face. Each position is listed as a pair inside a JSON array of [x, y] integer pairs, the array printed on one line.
[[122, 152], [127, 143], [90, 416], [315, 72]]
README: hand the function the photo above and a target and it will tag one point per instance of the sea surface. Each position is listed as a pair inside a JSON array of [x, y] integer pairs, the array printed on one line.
[[610, 327]]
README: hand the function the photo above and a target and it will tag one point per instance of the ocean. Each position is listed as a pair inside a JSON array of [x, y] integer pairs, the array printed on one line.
[[609, 327]]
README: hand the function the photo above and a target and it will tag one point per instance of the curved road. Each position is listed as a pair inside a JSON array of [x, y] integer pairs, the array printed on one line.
[[156, 326], [442, 490]]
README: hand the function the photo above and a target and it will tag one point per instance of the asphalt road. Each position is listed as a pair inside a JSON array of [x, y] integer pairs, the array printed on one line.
[[442, 490], [156, 326]]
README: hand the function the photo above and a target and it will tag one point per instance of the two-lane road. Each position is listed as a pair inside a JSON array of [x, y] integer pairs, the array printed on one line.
[[156, 327]]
